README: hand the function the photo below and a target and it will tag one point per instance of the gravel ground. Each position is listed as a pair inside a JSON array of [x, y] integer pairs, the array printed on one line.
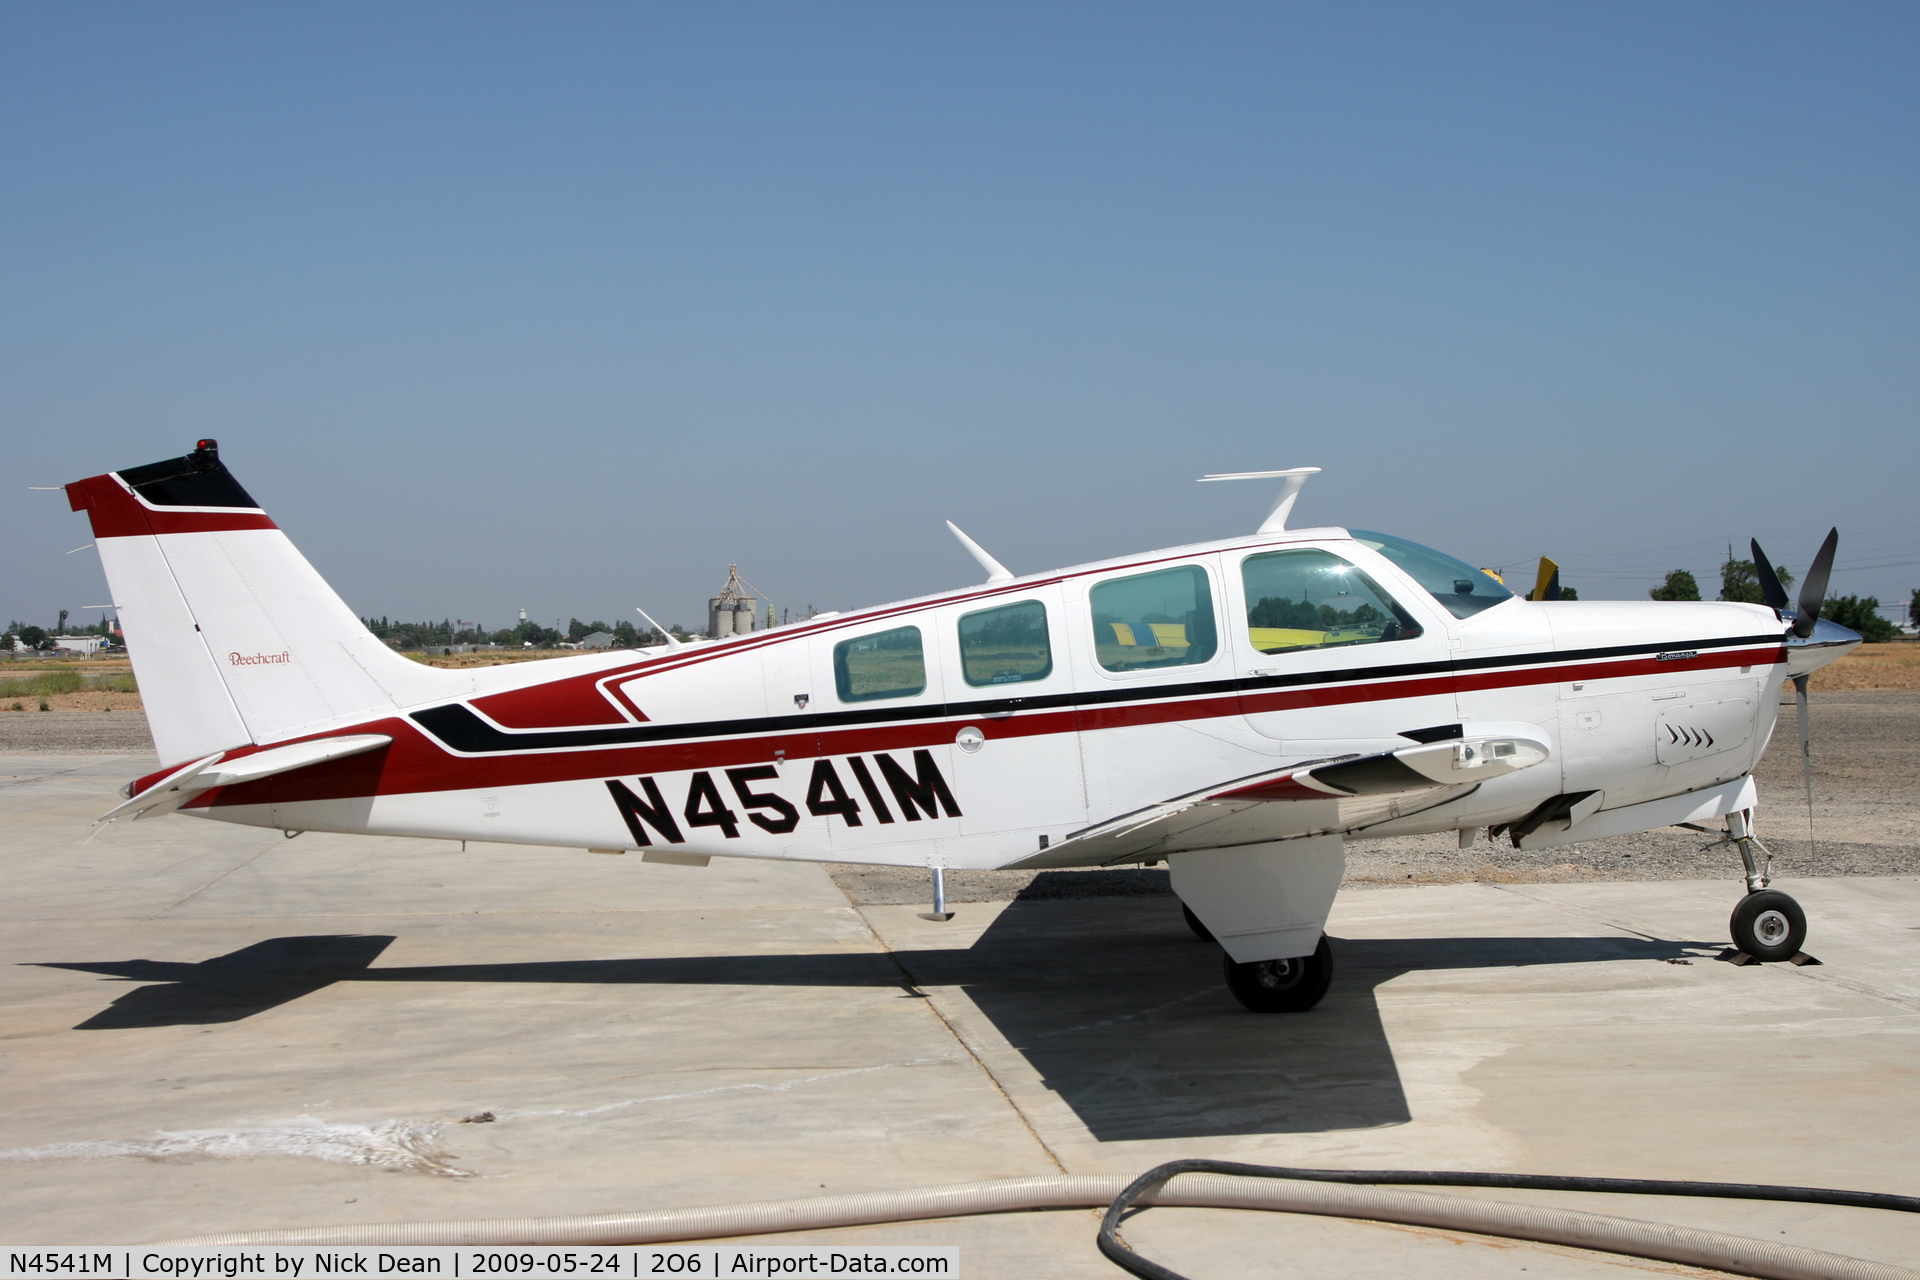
[[1866, 808], [114, 733]]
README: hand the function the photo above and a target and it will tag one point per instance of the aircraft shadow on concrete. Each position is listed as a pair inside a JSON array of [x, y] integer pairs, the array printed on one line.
[[1112, 1002]]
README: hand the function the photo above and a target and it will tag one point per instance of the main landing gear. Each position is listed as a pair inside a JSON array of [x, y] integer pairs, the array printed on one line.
[[1282, 986], [1273, 986], [1766, 924]]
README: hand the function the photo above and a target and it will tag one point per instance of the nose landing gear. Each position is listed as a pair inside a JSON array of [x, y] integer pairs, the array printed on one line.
[[1766, 924]]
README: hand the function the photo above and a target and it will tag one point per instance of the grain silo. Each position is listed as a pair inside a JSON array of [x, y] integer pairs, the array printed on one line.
[[733, 612]]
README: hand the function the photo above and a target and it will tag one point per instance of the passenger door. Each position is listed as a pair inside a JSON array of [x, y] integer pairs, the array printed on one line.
[[883, 778], [1016, 749]]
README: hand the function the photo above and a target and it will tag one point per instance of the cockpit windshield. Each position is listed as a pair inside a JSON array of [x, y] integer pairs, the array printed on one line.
[[1462, 589]]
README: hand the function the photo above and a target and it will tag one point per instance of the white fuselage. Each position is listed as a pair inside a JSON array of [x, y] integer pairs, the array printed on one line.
[[767, 745]]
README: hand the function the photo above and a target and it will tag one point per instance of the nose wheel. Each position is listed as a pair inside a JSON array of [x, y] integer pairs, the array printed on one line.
[[1768, 925]]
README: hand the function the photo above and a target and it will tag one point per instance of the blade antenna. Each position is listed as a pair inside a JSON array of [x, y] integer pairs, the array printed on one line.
[[671, 642], [996, 572], [1296, 478]]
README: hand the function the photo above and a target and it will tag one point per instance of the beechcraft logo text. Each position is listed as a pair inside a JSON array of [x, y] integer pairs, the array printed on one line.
[[258, 659]]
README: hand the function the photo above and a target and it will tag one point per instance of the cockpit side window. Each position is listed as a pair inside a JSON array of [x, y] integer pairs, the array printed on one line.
[[888, 664], [1312, 599], [1160, 619], [1459, 587]]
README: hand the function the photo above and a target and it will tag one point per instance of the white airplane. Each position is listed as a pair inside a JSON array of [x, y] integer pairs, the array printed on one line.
[[1237, 710]]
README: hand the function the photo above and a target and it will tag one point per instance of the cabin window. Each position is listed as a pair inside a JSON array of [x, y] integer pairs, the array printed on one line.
[[1310, 599], [1007, 645], [887, 664], [1151, 620], [1462, 589]]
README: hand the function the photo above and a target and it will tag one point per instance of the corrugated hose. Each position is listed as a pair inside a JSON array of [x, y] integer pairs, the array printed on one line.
[[1209, 1184]]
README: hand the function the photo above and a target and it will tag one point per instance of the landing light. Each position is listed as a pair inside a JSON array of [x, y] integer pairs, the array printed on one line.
[[1471, 755]]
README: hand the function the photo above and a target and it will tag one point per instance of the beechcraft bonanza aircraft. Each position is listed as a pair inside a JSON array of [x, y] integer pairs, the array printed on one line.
[[1238, 710]]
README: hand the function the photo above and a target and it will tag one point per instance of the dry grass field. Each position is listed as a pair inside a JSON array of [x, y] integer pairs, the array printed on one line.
[[1872, 666], [491, 657]]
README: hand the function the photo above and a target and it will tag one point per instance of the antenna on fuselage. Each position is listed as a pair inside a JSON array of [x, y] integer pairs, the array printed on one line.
[[671, 642], [996, 572], [1276, 521]]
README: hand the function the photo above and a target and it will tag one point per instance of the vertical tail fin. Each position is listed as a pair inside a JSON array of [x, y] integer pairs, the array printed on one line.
[[234, 637]]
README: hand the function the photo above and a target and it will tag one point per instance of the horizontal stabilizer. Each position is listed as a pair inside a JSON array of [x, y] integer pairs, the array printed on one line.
[[188, 781], [1315, 797]]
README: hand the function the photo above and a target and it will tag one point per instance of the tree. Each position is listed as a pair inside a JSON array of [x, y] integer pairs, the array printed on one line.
[[1568, 593], [1913, 610], [1739, 580], [1860, 614], [33, 637], [1680, 585]]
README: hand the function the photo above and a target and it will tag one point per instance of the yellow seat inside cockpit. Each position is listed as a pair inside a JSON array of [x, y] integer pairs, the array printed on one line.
[[1266, 638], [1170, 635]]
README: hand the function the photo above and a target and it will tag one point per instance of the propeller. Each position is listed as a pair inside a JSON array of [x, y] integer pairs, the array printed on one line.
[[1813, 594], [1546, 584]]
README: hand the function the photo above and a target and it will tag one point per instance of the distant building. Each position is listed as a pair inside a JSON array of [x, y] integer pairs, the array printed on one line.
[[446, 650], [85, 646], [596, 640]]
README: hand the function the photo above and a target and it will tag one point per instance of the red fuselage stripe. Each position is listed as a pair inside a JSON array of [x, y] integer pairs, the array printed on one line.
[[415, 763]]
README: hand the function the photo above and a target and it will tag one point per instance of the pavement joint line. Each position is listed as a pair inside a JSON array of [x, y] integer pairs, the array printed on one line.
[[912, 984], [42, 777], [1127, 1017], [258, 854], [743, 1087]]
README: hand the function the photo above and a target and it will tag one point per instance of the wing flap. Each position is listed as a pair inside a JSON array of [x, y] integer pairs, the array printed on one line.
[[1310, 798]]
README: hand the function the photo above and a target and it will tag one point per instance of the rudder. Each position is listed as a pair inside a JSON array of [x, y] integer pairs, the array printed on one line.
[[234, 636]]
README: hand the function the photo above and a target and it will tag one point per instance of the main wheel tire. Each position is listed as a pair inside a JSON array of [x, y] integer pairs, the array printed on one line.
[[1768, 925], [1282, 986], [1200, 930]]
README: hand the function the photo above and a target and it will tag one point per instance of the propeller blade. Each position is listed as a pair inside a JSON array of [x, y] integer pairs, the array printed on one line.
[[1546, 585], [1806, 753], [1813, 592], [1770, 588]]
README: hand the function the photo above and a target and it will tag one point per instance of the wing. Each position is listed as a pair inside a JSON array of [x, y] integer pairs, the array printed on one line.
[[1314, 797]]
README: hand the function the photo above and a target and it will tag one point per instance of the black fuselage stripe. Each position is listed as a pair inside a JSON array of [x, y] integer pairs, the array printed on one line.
[[458, 727]]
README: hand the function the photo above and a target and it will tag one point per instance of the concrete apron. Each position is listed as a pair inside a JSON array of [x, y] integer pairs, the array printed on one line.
[[214, 1028]]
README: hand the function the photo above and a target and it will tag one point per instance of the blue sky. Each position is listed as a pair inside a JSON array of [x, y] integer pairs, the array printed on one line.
[[568, 306]]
